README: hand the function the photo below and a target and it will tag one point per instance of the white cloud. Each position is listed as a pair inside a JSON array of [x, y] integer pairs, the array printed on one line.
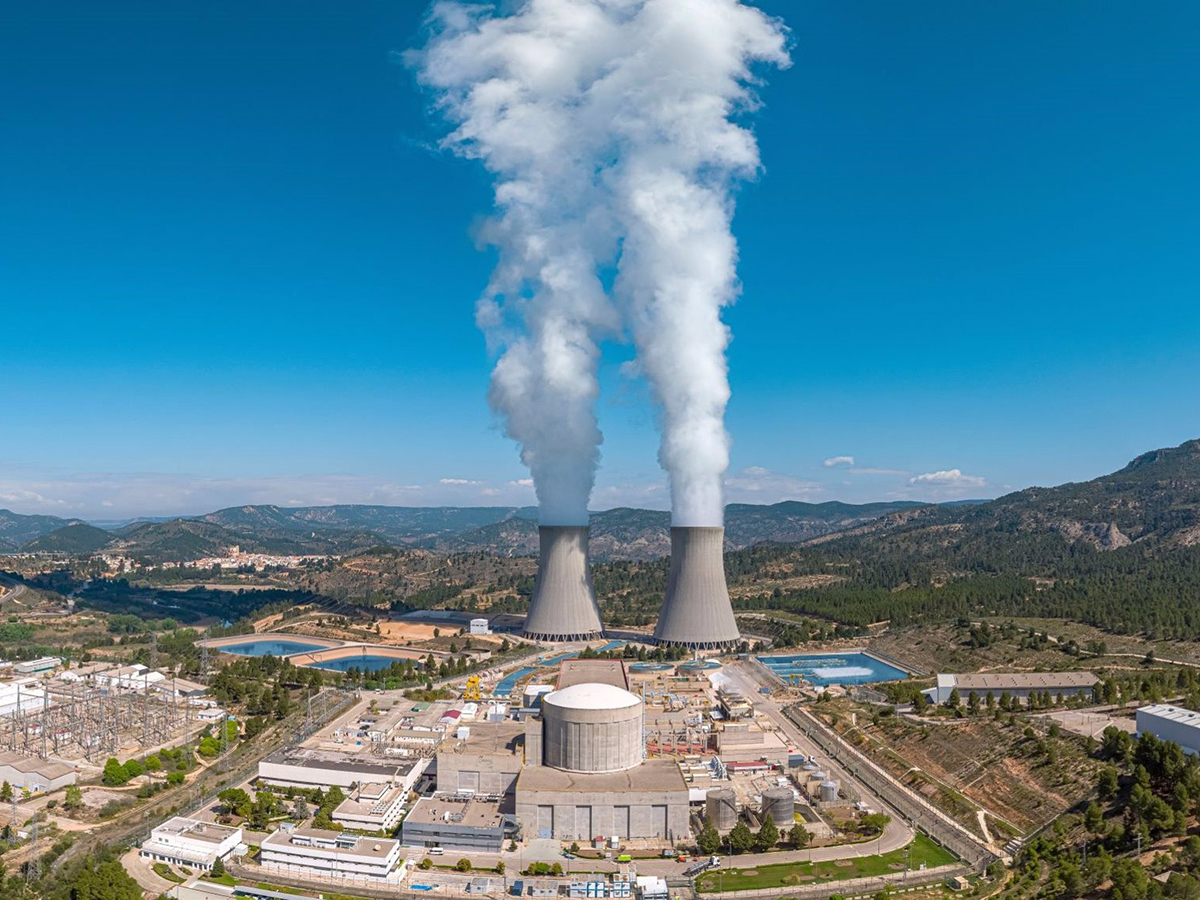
[[947, 478], [759, 485], [522, 482], [838, 461], [458, 481]]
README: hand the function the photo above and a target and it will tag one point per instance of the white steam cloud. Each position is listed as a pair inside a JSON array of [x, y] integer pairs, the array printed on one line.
[[609, 128]]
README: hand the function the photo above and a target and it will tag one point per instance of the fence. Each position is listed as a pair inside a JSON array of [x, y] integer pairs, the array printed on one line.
[[142, 821], [850, 887], [950, 834]]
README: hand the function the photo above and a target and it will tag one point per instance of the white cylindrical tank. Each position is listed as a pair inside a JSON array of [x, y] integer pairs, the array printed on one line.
[[720, 808], [829, 791], [779, 803], [592, 728]]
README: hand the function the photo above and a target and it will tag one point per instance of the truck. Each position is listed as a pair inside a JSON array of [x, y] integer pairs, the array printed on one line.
[[704, 865]]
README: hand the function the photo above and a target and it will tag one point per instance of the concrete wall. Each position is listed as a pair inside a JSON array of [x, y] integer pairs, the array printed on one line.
[[591, 740], [645, 814], [484, 773]]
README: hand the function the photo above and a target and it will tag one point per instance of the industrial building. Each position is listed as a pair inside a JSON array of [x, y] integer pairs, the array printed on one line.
[[487, 761], [742, 742], [22, 695], [1018, 685], [296, 767], [696, 611], [480, 627], [374, 806], [563, 606], [458, 822], [314, 852], [190, 843], [33, 666], [38, 776], [1171, 723], [586, 774]]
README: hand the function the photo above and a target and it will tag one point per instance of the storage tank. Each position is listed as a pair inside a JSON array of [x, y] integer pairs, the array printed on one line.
[[720, 808], [829, 791], [592, 728], [779, 803]]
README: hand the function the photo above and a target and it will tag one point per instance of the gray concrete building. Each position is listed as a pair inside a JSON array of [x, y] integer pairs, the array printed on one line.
[[586, 775], [486, 762], [647, 801], [38, 776], [457, 822]]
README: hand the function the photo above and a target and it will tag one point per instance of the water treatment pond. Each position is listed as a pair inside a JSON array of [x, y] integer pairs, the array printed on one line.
[[833, 668], [367, 662], [271, 647]]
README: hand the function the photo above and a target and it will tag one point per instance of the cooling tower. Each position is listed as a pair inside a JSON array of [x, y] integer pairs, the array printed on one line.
[[564, 603], [696, 612]]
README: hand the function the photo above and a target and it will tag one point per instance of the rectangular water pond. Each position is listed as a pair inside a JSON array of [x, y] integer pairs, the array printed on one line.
[[271, 647], [833, 668], [365, 663]]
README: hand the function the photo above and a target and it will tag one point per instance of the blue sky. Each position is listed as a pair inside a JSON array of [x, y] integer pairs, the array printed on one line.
[[232, 269]]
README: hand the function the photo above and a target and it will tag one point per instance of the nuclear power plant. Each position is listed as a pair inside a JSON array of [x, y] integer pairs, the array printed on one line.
[[696, 612], [564, 605]]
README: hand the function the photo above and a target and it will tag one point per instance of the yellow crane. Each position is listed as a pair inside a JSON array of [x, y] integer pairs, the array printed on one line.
[[472, 689]]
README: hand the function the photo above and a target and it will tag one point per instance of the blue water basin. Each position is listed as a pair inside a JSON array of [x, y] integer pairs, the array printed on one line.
[[366, 662], [833, 668], [271, 647]]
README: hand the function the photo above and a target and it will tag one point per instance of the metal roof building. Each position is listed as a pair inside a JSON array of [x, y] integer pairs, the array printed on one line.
[[1016, 684], [1171, 723], [564, 606]]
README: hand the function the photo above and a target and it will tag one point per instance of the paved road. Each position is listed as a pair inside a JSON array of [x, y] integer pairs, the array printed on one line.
[[147, 878]]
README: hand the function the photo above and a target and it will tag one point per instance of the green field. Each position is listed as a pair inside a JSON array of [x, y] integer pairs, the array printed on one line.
[[922, 850]]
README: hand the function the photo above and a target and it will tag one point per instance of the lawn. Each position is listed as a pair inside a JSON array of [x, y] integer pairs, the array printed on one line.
[[921, 850], [164, 871]]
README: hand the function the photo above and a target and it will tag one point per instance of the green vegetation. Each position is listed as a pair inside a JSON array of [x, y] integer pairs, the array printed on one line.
[[164, 871], [921, 850]]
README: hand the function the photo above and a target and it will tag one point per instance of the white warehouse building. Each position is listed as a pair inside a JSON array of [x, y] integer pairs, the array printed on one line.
[[1171, 723]]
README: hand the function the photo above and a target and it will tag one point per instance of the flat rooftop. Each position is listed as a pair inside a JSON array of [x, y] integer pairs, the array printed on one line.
[[208, 832], [370, 800], [488, 737], [652, 775], [1020, 681], [472, 813], [592, 671], [337, 842], [315, 759]]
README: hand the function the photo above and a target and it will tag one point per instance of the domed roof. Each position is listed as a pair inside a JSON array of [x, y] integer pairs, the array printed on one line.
[[592, 696]]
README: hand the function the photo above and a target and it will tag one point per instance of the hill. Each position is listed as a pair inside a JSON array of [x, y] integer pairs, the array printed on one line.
[[1153, 504], [76, 538], [16, 530]]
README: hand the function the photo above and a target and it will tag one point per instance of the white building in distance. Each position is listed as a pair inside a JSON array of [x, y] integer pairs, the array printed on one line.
[[1171, 723], [314, 852], [188, 842]]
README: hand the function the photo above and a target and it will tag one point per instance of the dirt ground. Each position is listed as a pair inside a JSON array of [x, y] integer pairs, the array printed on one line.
[[400, 632]]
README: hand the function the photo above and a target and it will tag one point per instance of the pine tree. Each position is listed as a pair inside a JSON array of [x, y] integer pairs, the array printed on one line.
[[768, 835], [741, 838]]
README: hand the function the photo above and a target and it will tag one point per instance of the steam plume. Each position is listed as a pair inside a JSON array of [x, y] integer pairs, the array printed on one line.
[[608, 126]]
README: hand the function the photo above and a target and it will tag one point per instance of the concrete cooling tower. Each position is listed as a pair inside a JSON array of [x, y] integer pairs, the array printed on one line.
[[564, 604], [696, 612]]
